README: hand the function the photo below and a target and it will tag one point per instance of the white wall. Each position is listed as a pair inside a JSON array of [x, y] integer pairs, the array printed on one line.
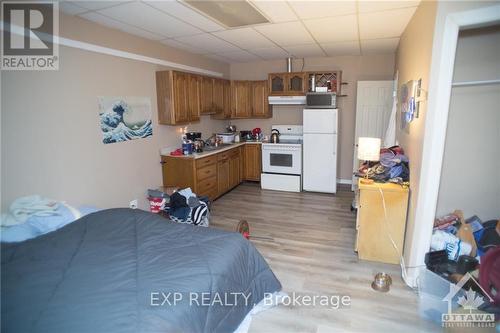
[[424, 190], [471, 160]]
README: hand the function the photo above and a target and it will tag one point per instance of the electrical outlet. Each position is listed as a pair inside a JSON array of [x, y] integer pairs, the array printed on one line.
[[133, 204]]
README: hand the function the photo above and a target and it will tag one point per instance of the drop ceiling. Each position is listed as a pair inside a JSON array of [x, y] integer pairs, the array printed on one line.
[[295, 28]]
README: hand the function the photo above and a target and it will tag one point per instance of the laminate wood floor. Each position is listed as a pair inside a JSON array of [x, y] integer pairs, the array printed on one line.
[[308, 240]]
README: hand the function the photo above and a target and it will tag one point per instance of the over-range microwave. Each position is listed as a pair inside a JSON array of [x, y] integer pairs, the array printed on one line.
[[321, 100]]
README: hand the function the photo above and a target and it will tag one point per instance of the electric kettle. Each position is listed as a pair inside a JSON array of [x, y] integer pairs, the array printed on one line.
[[275, 136]]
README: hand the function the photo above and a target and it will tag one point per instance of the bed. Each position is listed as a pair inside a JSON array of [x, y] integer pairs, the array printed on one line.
[[113, 271]]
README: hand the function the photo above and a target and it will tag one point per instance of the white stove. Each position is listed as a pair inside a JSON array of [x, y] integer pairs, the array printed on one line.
[[282, 162]]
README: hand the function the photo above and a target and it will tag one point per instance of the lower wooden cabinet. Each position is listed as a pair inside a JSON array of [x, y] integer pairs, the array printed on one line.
[[253, 162], [211, 176], [381, 212]]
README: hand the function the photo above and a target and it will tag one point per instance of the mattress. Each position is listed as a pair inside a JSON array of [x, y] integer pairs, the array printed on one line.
[[123, 270]]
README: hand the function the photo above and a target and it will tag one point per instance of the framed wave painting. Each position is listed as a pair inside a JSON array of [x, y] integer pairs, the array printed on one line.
[[125, 118]]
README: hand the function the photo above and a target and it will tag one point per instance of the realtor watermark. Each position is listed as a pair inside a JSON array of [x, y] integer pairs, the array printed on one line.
[[470, 317], [30, 33], [232, 299]]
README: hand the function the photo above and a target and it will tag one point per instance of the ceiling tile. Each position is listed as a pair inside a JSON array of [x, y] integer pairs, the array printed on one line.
[[315, 9], [217, 57], [186, 14], [239, 56], [379, 46], [246, 38], [333, 29], [209, 43], [101, 19], [291, 33], [182, 46], [276, 11], [308, 50], [71, 8], [386, 24], [350, 48], [374, 6], [95, 5], [151, 19], [270, 53]]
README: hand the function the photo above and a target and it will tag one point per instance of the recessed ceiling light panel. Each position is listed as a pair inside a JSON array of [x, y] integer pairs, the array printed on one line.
[[232, 14]]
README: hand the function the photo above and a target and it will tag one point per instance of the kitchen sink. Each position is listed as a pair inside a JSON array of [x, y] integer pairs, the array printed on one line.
[[212, 148]]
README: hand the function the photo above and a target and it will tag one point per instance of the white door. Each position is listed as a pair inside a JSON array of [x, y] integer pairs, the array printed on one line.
[[320, 163], [319, 121], [373, 109]]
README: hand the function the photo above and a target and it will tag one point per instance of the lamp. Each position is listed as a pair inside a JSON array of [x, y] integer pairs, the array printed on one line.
[[368, 150]]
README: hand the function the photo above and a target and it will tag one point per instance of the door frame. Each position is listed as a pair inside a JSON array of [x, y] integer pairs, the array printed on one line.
[[440, 86]]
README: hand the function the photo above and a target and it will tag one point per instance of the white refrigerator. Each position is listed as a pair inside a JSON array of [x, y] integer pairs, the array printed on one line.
[[320, 150]]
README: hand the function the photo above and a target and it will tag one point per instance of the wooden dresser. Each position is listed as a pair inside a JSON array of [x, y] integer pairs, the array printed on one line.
[[373, 227]]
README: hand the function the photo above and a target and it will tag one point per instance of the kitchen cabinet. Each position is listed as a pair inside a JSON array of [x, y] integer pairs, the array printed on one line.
[[207, 95], [240, 99], [259, 100], [193, 93], [381, 212], [288, 84], [253, 162], [277, 83], [234, 168], [225, 112], [296, 83], [176, 97], [222, 176], [210, 176], [218, 95]]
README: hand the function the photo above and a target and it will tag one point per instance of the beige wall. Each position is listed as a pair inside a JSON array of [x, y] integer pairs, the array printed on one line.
[[413, 62], [472, 153], [82, 30], [354, 68], [50, 135]]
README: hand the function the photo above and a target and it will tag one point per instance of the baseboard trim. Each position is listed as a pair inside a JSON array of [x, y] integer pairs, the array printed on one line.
[[344, 181]]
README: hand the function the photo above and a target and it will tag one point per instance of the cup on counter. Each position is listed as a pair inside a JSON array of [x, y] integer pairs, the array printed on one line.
[[187, 148]]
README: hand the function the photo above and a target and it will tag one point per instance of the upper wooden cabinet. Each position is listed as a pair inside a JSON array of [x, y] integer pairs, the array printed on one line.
[[240, 99], [193, 93], [177, 96], [218, 95], [183, 97], [207, 95], [259, 99], [296, 83], [225, 112], [287, 84], [277, 84]]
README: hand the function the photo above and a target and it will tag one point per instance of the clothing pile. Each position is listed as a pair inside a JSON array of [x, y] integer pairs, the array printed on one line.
[[392, 167], [460, 246], [185, 207], [32, 216]]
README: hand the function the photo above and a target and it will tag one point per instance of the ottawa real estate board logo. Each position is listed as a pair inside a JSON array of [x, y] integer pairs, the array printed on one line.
[[30, 33], [468, 316]]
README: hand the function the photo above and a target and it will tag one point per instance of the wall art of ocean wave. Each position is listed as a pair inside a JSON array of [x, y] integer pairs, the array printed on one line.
[[122, 122]]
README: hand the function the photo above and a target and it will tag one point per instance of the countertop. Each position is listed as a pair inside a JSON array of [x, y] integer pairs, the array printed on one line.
[[166, 151]]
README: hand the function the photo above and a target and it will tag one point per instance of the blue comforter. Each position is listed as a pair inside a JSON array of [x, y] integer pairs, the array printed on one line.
[[123, 270]]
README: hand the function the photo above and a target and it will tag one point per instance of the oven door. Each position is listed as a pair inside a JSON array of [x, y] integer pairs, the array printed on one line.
[[278, 158]]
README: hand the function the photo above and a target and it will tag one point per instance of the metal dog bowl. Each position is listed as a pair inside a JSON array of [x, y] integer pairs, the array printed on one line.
[[382, 282]]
